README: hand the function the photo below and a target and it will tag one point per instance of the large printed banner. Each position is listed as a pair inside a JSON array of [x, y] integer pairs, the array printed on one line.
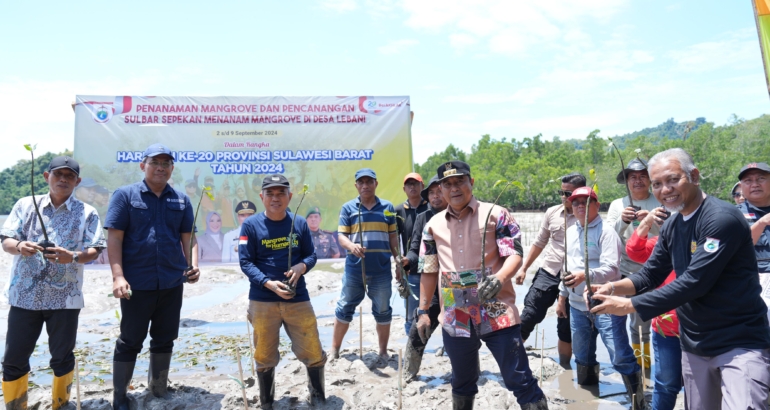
[[762, 16], [232, 143]]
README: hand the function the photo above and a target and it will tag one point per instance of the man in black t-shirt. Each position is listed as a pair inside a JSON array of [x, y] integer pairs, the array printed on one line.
[[725, 334]]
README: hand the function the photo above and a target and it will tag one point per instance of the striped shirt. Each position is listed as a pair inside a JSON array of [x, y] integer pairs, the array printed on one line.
[[376, 228]]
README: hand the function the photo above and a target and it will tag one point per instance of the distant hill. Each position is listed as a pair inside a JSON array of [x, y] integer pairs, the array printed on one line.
[[668, 130], [14, 181]]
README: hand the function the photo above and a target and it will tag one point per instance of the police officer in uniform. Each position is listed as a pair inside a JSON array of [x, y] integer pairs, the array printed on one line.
[[324, 242]]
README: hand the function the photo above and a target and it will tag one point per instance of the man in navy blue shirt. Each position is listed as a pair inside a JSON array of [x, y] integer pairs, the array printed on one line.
[[150, 227], [264, 251], [724, 328]]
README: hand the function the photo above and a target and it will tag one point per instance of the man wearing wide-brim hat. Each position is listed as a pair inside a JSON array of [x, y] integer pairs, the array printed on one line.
[[624, 218], [48, 289]]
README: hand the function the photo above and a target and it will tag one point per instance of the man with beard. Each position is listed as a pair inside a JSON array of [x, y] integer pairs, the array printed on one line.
[[47, 290], [724, 328], [624, 218], [415, 346], [545, 285]]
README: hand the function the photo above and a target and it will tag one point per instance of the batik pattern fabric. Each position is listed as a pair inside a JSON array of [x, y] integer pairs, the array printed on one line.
[[507, 233], [463, 309], [428, 260], [37, 283]]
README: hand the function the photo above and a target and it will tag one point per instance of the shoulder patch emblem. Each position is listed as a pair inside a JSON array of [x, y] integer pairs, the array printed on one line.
[[711, 245], [693, 246]]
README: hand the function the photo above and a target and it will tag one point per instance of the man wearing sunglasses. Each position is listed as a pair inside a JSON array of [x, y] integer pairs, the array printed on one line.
[[545, 285], [625, 218]]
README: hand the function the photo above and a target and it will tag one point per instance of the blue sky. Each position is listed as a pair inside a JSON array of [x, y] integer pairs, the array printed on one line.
[[508, 68]]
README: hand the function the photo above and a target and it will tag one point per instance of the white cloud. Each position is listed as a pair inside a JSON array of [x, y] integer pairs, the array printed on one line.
[[462, 40], [340, 6], [736, 50], [523, 96], [397, 46]]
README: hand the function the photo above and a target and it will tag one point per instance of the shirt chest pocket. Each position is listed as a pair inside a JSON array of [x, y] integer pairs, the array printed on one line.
[[175, 213], [140, 212]]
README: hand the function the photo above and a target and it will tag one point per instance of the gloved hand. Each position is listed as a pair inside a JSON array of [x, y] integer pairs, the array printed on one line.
[[423, 327], [489, 288]]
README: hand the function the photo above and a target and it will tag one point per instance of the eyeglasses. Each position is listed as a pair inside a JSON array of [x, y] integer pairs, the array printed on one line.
[[69, 176], [564, 193], [579, 202], [164, 164], [757, 180], [737, 194]]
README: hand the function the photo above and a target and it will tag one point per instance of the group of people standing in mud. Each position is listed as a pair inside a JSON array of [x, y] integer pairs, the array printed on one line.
[[668, 263]]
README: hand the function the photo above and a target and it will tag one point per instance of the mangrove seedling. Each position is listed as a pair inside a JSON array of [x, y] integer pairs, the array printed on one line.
[[591, 301], [623, 172], [507, 183], [404, 290], [207, 191], [45, 243], [361, 242], [287, 282]]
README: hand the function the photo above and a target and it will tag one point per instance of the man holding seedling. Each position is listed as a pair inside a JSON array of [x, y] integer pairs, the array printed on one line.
[[624, 216], [415, 204], [415, 346], [545, 285], [150, 230], [369, 237], [723, 321], [46, 288], [477, 304], [324, 242], [272, 252], [755, 182], [230, 246], [603, 246]]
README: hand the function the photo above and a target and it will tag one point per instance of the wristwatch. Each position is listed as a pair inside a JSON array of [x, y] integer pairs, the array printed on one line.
[[421, 312], [75, 257]]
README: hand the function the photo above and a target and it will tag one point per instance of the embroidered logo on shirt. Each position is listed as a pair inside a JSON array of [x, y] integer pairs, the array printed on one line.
[[243, 240], [749, 216], [179, 200], [711, 245], [693, 246]]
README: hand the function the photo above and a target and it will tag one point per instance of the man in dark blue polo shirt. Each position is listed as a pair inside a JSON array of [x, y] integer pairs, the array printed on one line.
[[755, 186], [150, 226]]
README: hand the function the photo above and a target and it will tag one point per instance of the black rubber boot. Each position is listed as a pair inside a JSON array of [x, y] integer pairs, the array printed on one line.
[[588, 375], [121, 379], [315, 385], [157, 376], [462, 402], [266, 381], [541, 404], [634, 387]]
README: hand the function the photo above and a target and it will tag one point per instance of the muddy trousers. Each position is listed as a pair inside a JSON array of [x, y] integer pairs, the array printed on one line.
[[298, 320], [540, 297], [736, 379], [508, 350], [157, 310], [24, 328]]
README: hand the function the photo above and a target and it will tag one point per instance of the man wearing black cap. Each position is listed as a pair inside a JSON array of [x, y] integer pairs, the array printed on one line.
[[624, 218], [755, 185], [243, 210], [47, 291], [150, 228], [264, 252], [324, 242], [415, 347], [477, 304]]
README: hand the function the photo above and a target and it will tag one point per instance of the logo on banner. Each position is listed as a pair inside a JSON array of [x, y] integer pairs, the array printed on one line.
[[103, 111], [371, 106]]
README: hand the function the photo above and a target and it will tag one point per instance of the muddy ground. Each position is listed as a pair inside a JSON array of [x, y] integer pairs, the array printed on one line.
[[213, 327]]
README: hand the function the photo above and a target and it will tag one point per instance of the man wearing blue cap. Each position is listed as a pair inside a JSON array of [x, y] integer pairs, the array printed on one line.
[[150, 227], [368, 234]]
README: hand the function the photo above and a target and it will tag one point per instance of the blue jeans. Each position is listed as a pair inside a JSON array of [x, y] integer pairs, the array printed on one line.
[[613, 331], [379, 290], [508, 350], [668, 371], [410, 303]]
